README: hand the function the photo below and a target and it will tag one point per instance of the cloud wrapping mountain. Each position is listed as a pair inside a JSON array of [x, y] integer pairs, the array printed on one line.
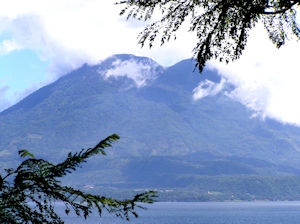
[[267, 79], [208, 88], [140, 71]]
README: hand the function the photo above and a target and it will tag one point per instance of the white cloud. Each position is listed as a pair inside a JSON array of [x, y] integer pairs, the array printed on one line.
[[8, 46], [140, 72], [267, 78], [70, 33], [207, 88], [29, 32]]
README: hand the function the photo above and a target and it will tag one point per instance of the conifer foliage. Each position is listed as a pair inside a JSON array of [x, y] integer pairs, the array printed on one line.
[[28, 193]]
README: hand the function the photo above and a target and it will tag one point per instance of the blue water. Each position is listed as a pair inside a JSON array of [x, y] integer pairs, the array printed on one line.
[[206, 213]]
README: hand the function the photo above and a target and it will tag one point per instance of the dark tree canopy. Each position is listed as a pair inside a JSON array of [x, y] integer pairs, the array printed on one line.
[[221, 26], [29, 192]]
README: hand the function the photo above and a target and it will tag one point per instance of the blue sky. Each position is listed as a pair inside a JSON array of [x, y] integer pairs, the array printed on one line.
[[43, 40], [22, 70]]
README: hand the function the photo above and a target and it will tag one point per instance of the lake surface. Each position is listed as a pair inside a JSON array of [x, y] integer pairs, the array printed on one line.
[[206, 213]]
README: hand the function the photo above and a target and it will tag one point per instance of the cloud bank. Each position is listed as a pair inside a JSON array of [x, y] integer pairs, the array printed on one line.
[[267, 79], [70, 33]]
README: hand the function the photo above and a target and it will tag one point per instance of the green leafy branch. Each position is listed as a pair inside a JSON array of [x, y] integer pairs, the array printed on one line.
[[35, 187]]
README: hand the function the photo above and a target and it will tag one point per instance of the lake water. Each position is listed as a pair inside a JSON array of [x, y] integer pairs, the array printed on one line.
[[206, 213]]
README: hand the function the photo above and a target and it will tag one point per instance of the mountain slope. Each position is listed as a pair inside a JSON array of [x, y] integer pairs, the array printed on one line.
[[152, 109]]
